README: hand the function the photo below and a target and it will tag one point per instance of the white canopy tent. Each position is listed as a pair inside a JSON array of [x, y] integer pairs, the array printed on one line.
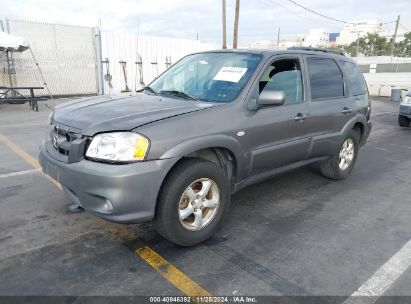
[[11, 44]]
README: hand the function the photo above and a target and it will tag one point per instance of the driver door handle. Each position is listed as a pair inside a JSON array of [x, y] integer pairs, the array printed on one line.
[[300, 117]]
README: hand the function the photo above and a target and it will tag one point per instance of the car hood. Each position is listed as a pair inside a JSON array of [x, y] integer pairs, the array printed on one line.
[[118, 113]]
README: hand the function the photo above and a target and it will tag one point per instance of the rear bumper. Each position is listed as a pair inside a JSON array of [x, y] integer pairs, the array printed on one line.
[[131, 189]]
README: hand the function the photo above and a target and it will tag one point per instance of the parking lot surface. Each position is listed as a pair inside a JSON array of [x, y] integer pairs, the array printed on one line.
[[295, 234]]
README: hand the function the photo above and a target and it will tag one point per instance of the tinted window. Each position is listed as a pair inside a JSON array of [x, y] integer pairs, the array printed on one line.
[[284, 75], [353, 78], [325, 78]]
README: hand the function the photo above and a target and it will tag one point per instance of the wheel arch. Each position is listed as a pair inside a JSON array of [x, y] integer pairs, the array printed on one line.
[[216, 148], [221, 156], [357, 122]]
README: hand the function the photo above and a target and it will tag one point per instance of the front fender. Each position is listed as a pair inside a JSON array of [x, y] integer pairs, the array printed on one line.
[[209, 141]]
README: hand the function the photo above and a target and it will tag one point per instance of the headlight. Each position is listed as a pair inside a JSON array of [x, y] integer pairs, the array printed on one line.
[[118, 147], [406, 100]]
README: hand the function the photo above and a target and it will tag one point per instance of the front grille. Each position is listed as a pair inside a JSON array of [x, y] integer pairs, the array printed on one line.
[[61, 138]]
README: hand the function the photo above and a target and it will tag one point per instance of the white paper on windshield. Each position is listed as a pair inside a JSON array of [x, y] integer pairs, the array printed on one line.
[[232, 74]]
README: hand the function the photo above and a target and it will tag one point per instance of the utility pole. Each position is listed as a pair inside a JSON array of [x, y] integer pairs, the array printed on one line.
[[395, 35], [224, 26], [237, 15], [278, 38]]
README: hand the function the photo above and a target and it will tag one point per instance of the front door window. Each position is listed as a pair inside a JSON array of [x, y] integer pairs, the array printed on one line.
[[284, 75]]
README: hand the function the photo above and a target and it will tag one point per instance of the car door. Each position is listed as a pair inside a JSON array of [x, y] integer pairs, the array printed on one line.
[[329, 104], [276, 135]]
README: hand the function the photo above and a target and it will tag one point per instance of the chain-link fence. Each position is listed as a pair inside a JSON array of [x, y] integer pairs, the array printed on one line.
[[66, 56]]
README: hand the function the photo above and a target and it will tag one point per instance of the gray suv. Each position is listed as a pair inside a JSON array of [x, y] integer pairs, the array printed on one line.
[[212, 124]]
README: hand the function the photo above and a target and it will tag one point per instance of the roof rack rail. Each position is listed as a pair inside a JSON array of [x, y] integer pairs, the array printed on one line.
[[302, 48]]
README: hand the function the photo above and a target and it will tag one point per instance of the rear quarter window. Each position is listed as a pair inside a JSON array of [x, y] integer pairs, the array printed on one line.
[[353, 78]]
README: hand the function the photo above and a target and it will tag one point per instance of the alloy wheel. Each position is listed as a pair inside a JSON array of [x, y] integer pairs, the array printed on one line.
[[199, 204]]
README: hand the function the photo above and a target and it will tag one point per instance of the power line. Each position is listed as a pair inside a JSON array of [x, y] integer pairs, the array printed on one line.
[[293, 12], [319, 14], [405, 28]]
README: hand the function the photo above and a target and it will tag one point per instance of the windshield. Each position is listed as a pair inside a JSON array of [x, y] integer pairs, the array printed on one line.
[[216, 77]]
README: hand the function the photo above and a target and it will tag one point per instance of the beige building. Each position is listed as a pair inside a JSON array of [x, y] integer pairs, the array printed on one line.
[[352, 31], [290, 41]]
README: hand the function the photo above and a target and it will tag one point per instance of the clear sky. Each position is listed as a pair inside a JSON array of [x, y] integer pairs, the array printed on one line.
[[259, 19]]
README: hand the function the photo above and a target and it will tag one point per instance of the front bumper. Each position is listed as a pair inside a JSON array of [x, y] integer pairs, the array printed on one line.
[[405, 110], [131, 189]]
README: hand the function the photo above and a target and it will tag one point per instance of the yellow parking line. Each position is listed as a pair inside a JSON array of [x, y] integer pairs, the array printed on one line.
[[27, 157], [23, 154], [172, 274], [167, 270]]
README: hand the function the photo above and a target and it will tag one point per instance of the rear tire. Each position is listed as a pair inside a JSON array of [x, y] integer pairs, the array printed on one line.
[[182, 202], [404, 121], [341, 163]]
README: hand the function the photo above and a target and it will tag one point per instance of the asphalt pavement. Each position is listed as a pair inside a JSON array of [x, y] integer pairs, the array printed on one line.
[[298, 234]]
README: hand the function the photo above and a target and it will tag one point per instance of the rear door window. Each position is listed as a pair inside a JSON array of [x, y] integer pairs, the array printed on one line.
[[353, 78], [326, 79]]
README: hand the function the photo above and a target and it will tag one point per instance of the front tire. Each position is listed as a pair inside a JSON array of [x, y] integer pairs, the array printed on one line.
[[340, 164], [404, 121], [192, 203]]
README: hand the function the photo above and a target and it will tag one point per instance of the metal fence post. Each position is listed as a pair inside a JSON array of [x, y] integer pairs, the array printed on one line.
[[10, 59], [99, 60]]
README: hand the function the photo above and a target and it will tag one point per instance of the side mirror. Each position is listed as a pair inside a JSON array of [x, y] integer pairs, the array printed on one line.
[[271, 98]]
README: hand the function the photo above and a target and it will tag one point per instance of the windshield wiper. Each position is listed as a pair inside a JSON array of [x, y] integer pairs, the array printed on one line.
[[150, 89], [178, 94]]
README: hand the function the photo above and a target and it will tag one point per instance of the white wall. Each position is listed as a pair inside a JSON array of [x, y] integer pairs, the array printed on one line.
[[380, 84], [122, 46], [381, 59]]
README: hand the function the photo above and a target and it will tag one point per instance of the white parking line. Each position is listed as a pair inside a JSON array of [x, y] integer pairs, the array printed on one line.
[[378, 284], [401, 146], [19, 173], [383, 113], [392, 160], [26, 124], [379, 148]]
